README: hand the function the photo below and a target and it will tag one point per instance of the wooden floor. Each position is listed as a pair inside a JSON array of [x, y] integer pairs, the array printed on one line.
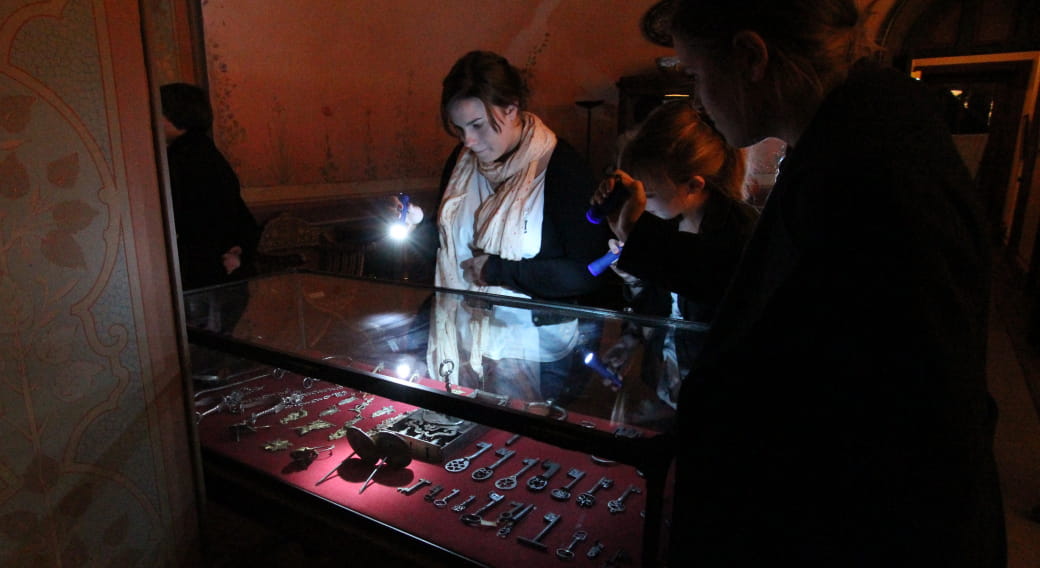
[[1014, 377]]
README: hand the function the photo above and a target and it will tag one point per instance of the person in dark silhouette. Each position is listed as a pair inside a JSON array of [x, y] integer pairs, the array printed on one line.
[[838, 413], [216, 233]]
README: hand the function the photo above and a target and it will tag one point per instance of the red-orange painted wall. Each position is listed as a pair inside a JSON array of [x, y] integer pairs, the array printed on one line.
[[326, 92]]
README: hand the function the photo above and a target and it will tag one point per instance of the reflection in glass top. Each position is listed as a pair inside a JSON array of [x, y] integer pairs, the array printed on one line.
[[541, 357]]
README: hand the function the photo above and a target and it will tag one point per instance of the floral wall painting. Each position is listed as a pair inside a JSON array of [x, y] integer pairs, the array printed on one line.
[[88, 469]]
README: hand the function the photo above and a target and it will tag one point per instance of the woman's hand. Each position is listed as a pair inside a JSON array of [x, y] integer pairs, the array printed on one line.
[[617, 358], [622, 220], [473, 269], [414, 215], [232, 259], [615, 247]]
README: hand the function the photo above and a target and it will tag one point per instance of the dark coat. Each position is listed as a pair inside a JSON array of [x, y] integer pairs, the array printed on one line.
[[696, 266], [838, 414], [569, 242], [209, 213]]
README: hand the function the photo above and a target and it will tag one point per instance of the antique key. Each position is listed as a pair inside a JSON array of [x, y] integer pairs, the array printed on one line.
[[474, 518], [462, 506], [564, 493], [618, 505], [414, 487], [459, 464], [329, 411], [514, 508], [289, 400], [510, 518], [342, 431], [587, 499], [383, 411], [304, 457], [486, 472], [227, 402], [509, 482], [443, 501], [315, 425], [433, 492], [541, 481], [536, 542], [568, 553], [293, 416]]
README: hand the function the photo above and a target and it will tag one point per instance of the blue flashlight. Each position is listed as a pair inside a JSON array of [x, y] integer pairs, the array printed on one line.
[[597, 266], [592, 361]]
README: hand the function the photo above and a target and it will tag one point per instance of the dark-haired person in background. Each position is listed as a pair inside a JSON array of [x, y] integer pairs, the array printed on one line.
[[216, 233], [838, 413]]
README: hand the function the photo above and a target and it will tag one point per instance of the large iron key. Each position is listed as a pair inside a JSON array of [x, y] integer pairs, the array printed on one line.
[[618, 505], [462, 506], [509, 482], [459, 464], [536, 542], [541, 481], [587, 499], [509, 519], [564, 493], [485, 473], [568, 553], [414, 487], [475, 518]]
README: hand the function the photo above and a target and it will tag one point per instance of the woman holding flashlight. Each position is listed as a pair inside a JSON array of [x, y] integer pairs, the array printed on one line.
[[685, 222], [684, 226]]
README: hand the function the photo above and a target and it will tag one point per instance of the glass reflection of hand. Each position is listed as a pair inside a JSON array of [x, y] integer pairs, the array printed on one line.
[[473, 269], [413, 217], [232, 259], [619, 355]]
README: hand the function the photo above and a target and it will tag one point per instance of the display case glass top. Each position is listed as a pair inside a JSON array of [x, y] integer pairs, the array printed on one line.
[[547, 369]]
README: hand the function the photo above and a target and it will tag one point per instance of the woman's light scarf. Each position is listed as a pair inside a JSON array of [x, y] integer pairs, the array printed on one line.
[[497, 228]]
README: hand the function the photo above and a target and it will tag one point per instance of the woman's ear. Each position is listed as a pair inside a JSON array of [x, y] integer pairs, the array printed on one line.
[[695, 184], [752, 54], [695, 193]]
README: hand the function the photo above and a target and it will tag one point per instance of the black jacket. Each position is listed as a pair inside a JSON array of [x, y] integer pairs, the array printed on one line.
[[697, 266], [838, 413], [569, 242], [209, 213]]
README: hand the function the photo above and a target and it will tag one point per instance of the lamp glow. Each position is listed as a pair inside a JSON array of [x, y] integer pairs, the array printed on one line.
[[403, 370], [398, 231]]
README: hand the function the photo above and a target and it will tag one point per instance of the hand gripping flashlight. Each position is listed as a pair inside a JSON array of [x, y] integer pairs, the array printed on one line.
[[598, 212], [399, 228], [597, 266], [592, 361]]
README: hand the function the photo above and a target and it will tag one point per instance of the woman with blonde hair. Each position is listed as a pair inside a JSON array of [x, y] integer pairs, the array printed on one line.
[[683, 227]]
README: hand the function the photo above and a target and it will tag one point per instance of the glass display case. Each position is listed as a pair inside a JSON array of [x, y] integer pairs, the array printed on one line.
[[497, 430]]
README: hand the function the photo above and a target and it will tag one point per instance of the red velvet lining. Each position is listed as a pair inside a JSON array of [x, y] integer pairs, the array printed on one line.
[[416, 516]]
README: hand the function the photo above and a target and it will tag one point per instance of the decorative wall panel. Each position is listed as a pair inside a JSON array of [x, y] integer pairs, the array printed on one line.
[[95, 464]]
